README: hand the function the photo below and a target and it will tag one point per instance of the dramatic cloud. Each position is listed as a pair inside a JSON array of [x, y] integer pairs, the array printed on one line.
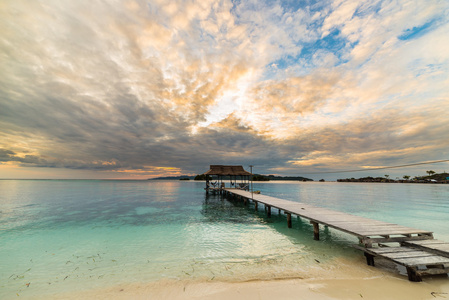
[[145, 88]]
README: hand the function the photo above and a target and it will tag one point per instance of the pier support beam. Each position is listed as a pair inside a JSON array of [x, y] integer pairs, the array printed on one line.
[[256, 205], [369, 259], [289, 220], [316, 230], [412, 275], [268, 211]]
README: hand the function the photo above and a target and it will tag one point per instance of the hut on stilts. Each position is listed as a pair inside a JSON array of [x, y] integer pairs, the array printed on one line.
[[237, 176]]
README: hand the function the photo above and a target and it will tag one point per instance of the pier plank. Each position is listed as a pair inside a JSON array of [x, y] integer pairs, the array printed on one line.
[[389, 250], [407, 254], [429, 242], [434, 246], [417, 262], [426, 261]]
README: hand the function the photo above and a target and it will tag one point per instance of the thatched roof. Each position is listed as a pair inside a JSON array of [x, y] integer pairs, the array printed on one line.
[[227, 171]]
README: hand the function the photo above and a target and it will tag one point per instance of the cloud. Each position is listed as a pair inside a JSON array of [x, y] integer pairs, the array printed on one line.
[[145, 88]]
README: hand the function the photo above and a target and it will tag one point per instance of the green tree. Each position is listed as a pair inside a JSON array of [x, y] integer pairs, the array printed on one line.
[[406, 177], [202, 177], [258, 177], [430, 172]]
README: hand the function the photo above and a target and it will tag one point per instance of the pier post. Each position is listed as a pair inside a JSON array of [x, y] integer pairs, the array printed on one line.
[[268, 211], [245, 201], [369, 259], [289, 220], [316, 231], [412, 275], [256, 205]]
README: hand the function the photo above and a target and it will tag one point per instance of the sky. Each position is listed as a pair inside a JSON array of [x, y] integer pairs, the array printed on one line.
[[136, 89]]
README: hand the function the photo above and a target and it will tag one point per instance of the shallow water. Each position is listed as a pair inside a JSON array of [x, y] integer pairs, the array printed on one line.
[[67, 235]]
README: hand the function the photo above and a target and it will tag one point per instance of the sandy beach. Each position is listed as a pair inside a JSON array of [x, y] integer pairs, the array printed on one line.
[[351, 281], [381, 287]]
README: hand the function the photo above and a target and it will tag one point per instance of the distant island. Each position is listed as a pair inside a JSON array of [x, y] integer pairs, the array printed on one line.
[[279, 178], [432, 177], [256, 177]]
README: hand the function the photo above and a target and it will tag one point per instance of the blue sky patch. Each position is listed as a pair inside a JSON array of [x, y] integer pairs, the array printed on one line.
[[333, 42], [416, 32]]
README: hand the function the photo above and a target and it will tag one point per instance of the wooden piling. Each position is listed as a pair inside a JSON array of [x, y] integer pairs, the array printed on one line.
[[412, 275], [268, 211], [369, 259], [316, 231], [289, 220]]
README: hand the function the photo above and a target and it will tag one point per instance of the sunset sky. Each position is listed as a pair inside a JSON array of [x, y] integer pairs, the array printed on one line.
[[139, 89]]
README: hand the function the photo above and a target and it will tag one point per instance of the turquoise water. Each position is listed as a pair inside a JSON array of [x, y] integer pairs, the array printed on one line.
[[69, 235]]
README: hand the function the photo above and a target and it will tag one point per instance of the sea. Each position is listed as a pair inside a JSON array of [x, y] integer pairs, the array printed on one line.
[[62, 236]]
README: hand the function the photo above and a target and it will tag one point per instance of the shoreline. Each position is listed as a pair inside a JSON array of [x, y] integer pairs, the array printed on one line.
[[341, 279], [381, 286]]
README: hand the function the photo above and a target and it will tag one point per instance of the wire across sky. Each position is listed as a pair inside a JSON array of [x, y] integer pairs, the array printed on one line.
[[380, 168]]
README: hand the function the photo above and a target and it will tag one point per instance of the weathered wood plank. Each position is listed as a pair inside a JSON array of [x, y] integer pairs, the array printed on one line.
[[439, 248], [433, 271], [442, 247], [382, 228], [429, 242], [373, 240], [366, 223], [409, 254], [415, 261], [389, 231], [389, 250], [411, 258]]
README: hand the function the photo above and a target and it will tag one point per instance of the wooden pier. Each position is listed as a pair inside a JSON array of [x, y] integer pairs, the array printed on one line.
[[417, 262], [422, 256]]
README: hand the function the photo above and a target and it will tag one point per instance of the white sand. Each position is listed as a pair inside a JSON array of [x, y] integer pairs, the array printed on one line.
[[383, 287], [351, 281]]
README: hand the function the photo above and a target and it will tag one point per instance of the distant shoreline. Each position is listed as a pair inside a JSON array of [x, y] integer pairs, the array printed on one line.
[[441, 178], [256, 177], [395, 181]]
